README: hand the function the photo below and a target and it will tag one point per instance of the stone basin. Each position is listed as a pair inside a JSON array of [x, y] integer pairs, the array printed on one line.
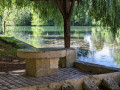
[[44, 61]]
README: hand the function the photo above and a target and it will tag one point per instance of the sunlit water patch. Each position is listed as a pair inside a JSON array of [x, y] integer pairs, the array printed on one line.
[[93, 44]]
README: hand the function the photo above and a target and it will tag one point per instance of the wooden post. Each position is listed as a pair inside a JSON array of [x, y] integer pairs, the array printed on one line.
[[66, 8], [4, 29]]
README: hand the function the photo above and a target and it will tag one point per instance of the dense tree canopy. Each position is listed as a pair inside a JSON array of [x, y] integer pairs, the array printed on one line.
[[105, 11]]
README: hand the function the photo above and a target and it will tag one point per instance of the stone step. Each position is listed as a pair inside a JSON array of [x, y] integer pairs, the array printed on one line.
[[110, 84], [90, 85]]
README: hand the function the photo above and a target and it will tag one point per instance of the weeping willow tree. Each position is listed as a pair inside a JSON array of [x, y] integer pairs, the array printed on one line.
[[107, 12]]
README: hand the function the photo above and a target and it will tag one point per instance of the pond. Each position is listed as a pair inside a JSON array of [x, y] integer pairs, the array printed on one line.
[[93, 44]]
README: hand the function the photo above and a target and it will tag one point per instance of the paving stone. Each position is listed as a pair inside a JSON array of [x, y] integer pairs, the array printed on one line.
[[18, 81], [90, 85], [110, 84], [11, 80]]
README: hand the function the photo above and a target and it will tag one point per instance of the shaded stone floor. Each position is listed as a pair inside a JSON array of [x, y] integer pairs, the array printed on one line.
[[17, 79]]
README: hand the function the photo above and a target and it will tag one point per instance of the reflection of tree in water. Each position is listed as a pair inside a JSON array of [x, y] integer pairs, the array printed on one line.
[[82, 52], [97, 38], [116, 55], [36, 40], [101, 36], [27, 34], [18, 30]]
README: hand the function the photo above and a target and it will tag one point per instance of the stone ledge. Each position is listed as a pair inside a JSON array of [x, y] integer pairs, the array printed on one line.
[[110, 84], [77, 83], [94, 68], [41, 53]]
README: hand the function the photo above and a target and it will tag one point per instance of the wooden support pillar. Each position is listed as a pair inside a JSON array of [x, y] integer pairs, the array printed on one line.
[[66, 8]]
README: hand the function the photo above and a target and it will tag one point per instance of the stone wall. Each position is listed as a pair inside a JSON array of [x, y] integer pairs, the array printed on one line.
[[77, 83]]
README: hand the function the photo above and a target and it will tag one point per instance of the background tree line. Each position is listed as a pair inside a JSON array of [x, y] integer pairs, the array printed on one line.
[[27, 17]]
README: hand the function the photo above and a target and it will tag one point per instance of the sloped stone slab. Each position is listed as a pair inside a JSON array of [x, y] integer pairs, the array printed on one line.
[[90, 85], [67, 87], [110, 84]]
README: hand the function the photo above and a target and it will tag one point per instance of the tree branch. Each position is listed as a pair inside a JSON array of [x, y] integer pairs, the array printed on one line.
[[71, 8], [60, 7]]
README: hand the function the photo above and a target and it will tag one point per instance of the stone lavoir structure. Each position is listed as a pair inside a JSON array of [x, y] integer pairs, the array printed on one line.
[[43, 72], [42, 65]]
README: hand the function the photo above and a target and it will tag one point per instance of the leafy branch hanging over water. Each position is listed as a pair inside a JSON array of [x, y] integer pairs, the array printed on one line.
[[105, 11]]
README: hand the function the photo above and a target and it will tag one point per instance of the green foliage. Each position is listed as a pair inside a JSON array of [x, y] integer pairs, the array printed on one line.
[[12, 41], [105, 11], [80, 16], [17, 17], [36, 20]]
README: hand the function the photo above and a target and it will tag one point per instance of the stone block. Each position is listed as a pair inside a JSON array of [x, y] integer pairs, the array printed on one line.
[[62, 62], [70, 57], [90, 85], [110, 84], [42, 67]]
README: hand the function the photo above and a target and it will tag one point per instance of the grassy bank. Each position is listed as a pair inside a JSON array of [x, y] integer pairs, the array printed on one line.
[[9, 40], [8, 48]]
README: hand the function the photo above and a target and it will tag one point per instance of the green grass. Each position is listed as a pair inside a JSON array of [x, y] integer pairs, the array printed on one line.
[[8, 48], [12, 41]]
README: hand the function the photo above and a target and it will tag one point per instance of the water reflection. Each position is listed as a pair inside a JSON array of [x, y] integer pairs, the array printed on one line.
[[47, 36], [93, 44], [102, 48]]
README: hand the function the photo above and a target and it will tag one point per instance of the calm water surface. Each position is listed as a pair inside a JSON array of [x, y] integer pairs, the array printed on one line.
[[93, 44]]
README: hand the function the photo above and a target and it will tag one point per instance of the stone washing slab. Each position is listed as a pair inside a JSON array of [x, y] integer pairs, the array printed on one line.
[[90, 85], [94, 68], [110, 84], [41, 53]]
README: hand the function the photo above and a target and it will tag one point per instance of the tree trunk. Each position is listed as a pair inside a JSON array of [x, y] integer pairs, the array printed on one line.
[[66, 9], [4, 29], [66, 6], [67, 32]]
